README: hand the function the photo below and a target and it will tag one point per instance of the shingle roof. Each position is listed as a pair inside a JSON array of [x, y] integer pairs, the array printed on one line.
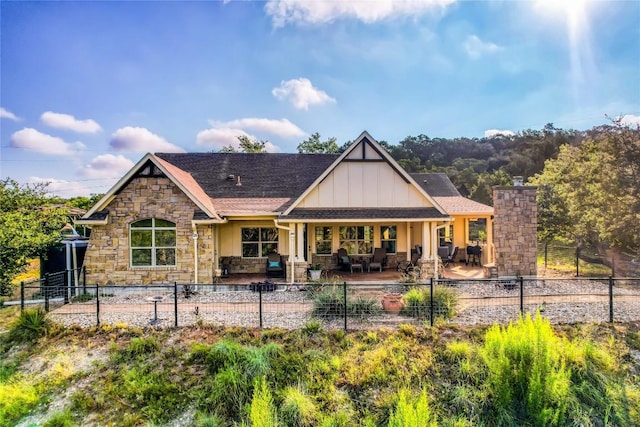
[[462, 205], [262, 175], [436, 184], [364, 213]]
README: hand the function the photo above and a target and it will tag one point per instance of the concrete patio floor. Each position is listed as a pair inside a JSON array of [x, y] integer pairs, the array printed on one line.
[[389, 275]]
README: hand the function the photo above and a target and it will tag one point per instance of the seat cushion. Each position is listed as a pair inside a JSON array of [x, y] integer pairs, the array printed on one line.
[[274, 264]]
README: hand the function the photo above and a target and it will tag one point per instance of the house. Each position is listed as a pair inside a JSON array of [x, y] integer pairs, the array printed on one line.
[[180, 217]]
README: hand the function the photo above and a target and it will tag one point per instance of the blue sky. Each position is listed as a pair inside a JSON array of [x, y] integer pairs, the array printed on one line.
[[87, 88]]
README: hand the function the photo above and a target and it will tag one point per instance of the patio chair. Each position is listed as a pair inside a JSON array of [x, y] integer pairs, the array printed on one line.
[[379, 259], [473, 255], [275, 265], [408, 266], [451, 257], [344, 262]]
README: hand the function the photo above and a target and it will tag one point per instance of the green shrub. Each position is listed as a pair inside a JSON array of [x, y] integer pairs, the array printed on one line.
[[32, 324], [297, 408], [138, 349], [209, 420], [528, 381], [412, 414], [329, 304], [60, 419], [17, 398], [417, 303], [262, 413]]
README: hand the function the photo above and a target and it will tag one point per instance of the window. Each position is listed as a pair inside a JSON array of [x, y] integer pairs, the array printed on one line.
[[357, 239], [445, 236], [388, 238], [324, 238], [259, 242], [478, 230], [153, 243]]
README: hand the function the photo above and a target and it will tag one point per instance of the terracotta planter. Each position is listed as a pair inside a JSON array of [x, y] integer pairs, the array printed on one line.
[[392, 303]]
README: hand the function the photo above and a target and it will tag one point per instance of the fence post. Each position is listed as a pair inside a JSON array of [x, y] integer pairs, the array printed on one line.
[[577, 261], [175, 303], [260, 303], [68, 290], [97, 304], [46, 292], [431, 301], [21, 296], [84, 279], [521, 279], [611, 299], [344, 296]]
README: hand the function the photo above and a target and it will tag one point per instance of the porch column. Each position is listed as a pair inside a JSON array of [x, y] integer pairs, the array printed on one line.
[[490, 254], [426, 238], [300, 244], [408, 241]]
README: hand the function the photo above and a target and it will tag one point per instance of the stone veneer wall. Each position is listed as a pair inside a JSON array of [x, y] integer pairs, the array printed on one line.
[[515, 230], [108, 257]]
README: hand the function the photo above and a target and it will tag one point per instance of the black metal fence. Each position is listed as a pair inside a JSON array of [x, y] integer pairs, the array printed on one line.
[[340, 305], [586, 261]]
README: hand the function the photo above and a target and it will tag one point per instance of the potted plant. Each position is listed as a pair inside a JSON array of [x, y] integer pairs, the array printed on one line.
[[392, 302], [315, 271]]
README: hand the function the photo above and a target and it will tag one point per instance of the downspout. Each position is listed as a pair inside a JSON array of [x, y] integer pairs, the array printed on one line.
[[292, 236], [434, 237], [195, 253]]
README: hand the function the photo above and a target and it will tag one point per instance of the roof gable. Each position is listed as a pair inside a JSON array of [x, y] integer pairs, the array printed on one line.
[[365, 175], [152, 166]]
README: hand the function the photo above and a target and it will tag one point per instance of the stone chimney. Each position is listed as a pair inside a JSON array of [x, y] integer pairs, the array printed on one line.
[[515, 229]]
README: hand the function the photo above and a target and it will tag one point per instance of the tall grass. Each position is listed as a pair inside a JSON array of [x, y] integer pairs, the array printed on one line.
[[412, 413], [528, 379], [417, 303], [262, 412], [29, 326]]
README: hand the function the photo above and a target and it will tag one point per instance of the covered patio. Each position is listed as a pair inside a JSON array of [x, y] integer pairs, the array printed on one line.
[[388, 275]]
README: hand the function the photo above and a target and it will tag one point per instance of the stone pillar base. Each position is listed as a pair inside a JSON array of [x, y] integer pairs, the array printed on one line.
[[299, 273]]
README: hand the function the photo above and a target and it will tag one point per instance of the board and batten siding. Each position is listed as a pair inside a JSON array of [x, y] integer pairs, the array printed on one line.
[[364, 184]]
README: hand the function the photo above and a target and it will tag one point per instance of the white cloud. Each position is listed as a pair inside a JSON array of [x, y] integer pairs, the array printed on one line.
[[283, 127], [64, 188], [283, 12], [67, 121], [31, 139], [630, 120], [6, 114], [476, 48], [301, 93], [217, 138], [141, 140], [106, 166], [490, 133]]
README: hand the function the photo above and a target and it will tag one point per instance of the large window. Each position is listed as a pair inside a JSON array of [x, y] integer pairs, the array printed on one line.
[[259, 242], [388, 237], [324, 238], [445, 236], [153, 243], [478, 230], [357, 240]]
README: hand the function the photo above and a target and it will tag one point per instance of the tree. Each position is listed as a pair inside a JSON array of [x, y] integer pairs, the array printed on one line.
[[313, 145], [591, 193], [247, 145], [28, 226]]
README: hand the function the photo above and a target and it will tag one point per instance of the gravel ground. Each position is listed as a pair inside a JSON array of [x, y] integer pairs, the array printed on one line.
[[480, 302]]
